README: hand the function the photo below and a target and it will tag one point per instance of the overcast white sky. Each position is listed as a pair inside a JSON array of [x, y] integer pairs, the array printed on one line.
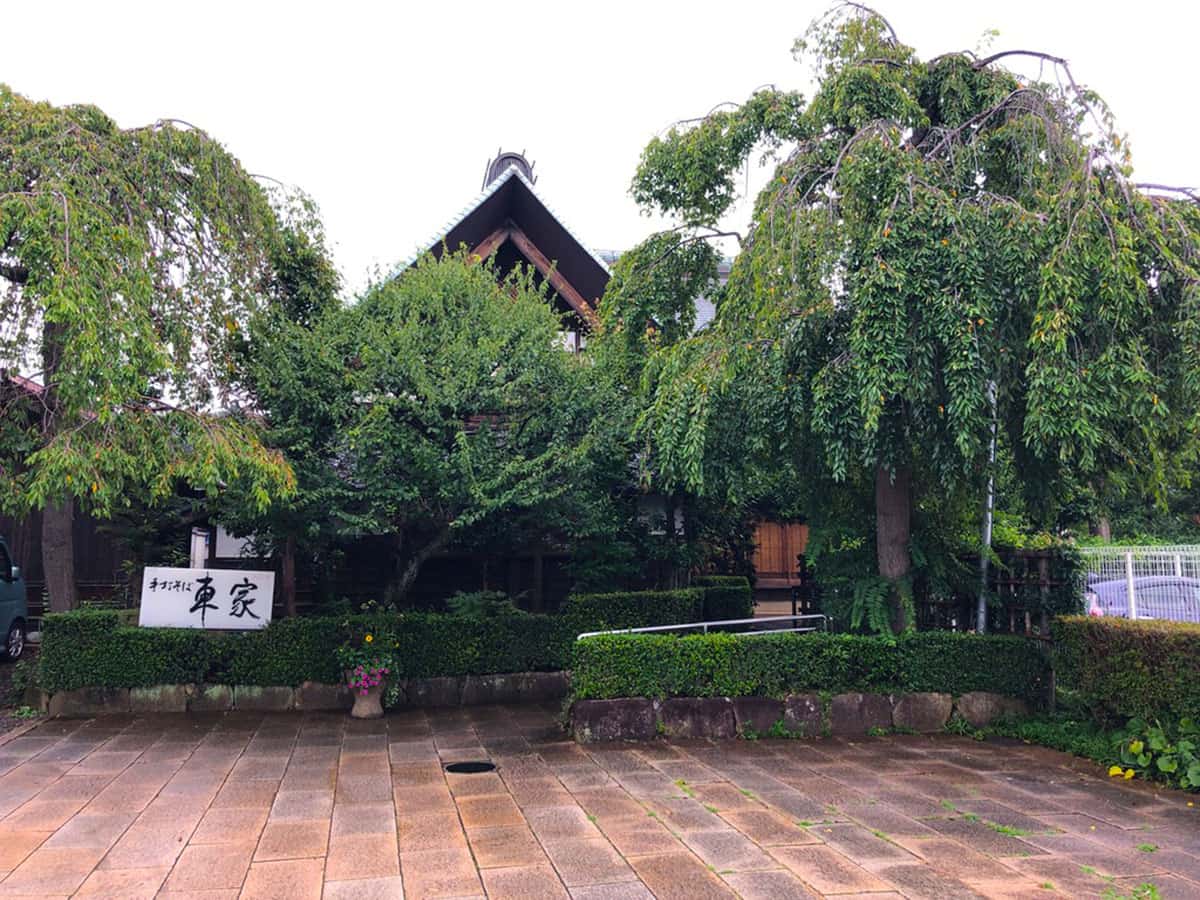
[[387, 113]]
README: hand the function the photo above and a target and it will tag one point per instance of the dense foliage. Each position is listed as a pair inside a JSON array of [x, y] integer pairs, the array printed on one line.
[[129, 258], [92, 648], [725, 665], [945, 247], [1122, 669], [726, 597]]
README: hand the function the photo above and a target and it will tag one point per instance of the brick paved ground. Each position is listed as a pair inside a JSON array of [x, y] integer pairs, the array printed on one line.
[[293, 806]]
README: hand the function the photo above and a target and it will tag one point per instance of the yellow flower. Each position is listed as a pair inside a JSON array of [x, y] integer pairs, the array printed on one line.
[[368, 638], [1114, 771], [1129, 773], [945, 242]]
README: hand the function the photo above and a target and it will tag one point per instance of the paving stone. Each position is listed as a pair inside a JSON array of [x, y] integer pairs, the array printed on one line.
[[439, 873], [365, 889], [99, 831], [363, 818], [679, 876], [51, 871], [588, 861], [524, 883], [361, 856], [728, 850], [768, 886], [489, 811], [293, 840], [210, 867], [917, 881], [558, 823], [861, 845], [767, 828], [127, 884], [625, 890], [429, 831], [504, 847], [293, 879], [297, 806], [827, 871], [15, 845], [246, 795], [229, 825]]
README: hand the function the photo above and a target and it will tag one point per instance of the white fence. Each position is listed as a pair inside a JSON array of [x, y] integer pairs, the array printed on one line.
[[1144, 582]]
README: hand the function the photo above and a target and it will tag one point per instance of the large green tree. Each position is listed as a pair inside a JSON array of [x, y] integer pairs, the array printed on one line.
[[937, 233], [459, 405], [128, 257]]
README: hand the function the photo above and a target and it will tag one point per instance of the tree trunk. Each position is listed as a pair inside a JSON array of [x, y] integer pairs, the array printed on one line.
[[893, 530], [58, 515], [407, 573], [1102, 528], [58, 553], [288, 576]]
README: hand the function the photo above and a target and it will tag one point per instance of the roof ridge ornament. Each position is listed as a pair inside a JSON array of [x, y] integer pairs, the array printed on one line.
[[505, 161]]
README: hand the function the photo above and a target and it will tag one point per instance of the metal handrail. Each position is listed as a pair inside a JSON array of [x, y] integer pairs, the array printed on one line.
[[704, 626]]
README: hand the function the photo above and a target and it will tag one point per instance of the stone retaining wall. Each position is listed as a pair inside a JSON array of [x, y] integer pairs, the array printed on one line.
[[799, 715], [467, 690]]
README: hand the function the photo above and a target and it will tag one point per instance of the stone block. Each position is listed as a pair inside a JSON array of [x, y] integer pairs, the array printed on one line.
[[316, 695], [626, 719], [211, 698], [855, 713], [162, 698], [697, 717], [261, 698], [542, 686], [802, 715], [89, 701], [446, 691], [501, 688], [982, 708], [922, 712], [757, 715]]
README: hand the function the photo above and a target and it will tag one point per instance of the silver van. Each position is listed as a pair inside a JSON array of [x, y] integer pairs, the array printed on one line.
[[14, 613]]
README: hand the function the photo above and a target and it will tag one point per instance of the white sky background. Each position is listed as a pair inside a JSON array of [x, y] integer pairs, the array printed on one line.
[[387, 113]]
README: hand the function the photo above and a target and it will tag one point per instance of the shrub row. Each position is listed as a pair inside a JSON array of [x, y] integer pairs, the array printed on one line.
[[88, 648], [724, 665], [726, 596], [1131, 669]]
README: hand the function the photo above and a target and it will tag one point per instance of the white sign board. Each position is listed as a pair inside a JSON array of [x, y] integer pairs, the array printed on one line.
[[206, 598]]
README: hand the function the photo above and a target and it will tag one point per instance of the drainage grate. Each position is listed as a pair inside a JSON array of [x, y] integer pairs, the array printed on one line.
[[474, 767]]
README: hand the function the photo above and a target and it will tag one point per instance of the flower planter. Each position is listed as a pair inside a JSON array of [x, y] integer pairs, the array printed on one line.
[[368, 702]]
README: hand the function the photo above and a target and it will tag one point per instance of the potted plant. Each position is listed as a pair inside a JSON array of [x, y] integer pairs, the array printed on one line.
[[366, 663]]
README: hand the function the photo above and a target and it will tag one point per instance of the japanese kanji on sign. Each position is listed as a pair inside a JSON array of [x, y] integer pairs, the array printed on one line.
[[206, 598]]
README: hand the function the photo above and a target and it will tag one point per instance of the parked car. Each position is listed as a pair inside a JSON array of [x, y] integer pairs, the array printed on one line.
[[14, 613], [1173, 597]]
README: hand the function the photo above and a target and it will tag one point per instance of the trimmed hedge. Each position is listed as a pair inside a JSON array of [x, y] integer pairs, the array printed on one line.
[[726, 596], [725, 665], [634, 609], [91, 648], [1146, 669]]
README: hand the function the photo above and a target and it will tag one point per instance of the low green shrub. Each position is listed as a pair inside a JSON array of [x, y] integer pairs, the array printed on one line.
[[726, 596], [725, 665], [88, 648], [1144, 669], [634, 609]]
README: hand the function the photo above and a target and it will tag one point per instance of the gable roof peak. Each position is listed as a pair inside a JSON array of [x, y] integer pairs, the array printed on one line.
[[505, 161]]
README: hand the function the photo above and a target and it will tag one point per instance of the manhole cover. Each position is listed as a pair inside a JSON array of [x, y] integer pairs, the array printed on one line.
[[470, 768]]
